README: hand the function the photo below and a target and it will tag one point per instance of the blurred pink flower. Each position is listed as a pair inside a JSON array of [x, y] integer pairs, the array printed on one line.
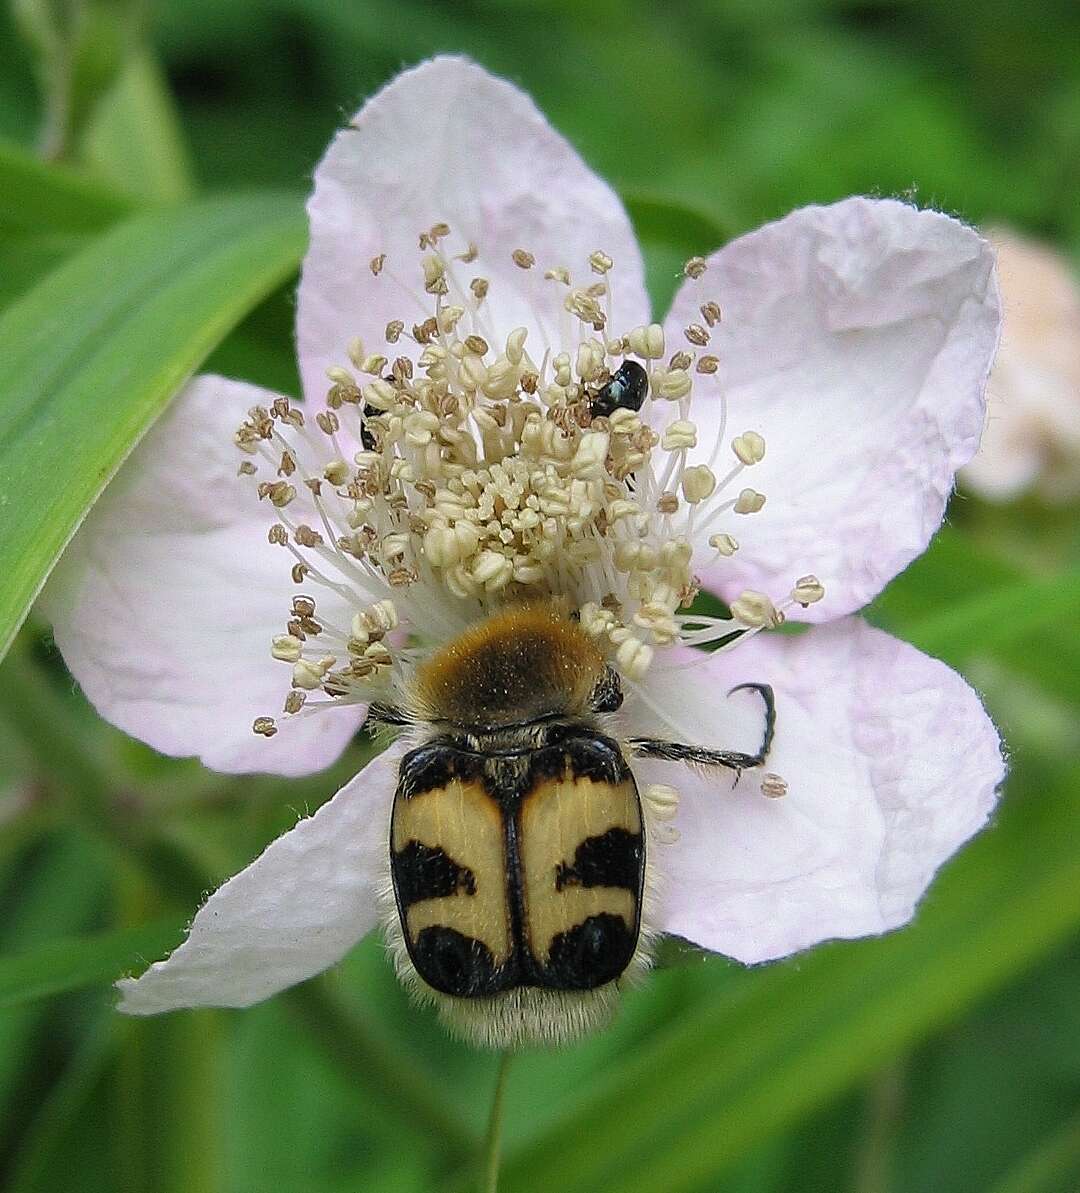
[[855, 341], [1032, 436]]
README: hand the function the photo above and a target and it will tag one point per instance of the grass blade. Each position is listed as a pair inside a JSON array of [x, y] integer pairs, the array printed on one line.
[[94, 352]]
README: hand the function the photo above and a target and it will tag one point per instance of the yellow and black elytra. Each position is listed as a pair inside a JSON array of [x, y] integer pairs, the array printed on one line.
[[524, 868], [517, 840]]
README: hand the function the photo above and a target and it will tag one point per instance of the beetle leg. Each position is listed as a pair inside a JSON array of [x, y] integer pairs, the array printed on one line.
[[380, 715], [735, 760]]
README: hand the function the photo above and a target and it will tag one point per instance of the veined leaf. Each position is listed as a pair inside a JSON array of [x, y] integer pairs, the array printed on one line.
[[97, 348]]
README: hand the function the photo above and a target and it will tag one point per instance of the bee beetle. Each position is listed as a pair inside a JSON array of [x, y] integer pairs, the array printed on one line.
[[518, 838]]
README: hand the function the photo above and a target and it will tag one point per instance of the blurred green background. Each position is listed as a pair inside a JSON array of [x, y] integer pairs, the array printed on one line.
[[946, 1057]]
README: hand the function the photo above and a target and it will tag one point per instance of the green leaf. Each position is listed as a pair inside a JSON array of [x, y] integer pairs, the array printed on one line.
[[94, 352], [776, 1042], [46, 1143], [670, 232], [25, 260], [59, 966], [682, 225], [80, 47], [39, 199], [135, 141], [1052, 1165], [997, 620], [963, 604]]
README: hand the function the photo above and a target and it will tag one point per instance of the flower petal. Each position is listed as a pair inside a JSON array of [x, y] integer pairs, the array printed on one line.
[[164, 603], [857, 339], [891, 764], [295, 911], [447, 142]]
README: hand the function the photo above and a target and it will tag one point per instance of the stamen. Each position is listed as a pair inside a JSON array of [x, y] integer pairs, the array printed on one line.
[[448, 475], [773, 786]]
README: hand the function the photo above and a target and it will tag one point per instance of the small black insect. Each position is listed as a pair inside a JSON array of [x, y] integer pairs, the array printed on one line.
[[367, 439], [625, 391]]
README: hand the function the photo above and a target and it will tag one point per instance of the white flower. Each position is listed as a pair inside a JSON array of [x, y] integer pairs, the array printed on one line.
[[1032, 437], [474, 333]]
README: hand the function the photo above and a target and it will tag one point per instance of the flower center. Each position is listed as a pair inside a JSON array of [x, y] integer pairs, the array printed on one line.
[[450, 473]]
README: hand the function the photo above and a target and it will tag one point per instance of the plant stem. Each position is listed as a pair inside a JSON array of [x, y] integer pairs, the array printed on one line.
[[407, 1094], [493, 1141]]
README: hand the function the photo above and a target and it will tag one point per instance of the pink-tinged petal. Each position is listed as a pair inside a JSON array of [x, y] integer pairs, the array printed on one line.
[[1032, 436], [165, 601], [891, 765], [447, 142], [295, 911], [857, 339]]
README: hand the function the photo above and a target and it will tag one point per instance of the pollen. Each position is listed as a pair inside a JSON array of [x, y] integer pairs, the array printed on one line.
[[458, 468]]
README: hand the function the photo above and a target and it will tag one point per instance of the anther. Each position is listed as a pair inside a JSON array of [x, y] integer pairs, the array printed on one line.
[[492, 570], [773, 786], [710, 312], [434, 275], [695, 267], [807, 591], [279, 492], [754, 609], [377, 264], [308, 673], [515, 345], [708, 364], [286, 648], [698, 483], [663, 800], [586, 308], [523, 259], [749, 502], [674, 384], [749, 447], [696, 334], [679, 436], [383, 615], [723, 543], [264, 726], [647, 342], [633, 658]]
